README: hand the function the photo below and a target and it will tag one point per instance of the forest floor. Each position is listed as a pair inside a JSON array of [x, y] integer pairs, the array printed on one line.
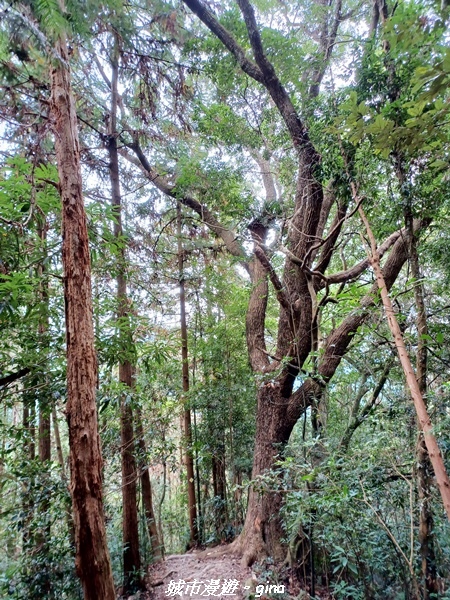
[[200, 575], [217, 574]]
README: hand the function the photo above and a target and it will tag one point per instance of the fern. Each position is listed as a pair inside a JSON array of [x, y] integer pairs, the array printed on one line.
[[51, 17]]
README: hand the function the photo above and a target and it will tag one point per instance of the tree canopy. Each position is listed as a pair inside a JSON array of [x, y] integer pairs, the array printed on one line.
[[219, 222]]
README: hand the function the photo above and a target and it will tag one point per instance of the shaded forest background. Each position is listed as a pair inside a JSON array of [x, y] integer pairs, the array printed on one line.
[[247, 385]]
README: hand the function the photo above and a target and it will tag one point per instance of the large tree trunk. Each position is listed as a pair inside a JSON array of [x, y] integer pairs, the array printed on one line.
[[92, 556], [263, 531], [279, 409]]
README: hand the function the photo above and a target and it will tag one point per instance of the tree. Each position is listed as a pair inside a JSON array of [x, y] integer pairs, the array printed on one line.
[[131, 557], [186, 420], [92, 556], [224, 125], [279, 405]]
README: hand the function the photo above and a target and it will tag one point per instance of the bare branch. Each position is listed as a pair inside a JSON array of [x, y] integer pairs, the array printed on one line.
[[356, 270], [328, 201], [296, 127], [358, 417], [278, 286], [348, 274], [328, 247], [327, 41], [101, 70], [226, 38]]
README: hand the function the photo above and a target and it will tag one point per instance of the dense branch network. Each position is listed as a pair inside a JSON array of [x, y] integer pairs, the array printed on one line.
[[296, 290]]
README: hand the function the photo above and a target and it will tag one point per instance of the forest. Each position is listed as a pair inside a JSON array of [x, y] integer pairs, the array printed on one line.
[[224, 287]]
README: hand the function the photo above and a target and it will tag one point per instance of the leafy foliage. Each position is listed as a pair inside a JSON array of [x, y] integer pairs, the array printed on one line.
[[380, 121]]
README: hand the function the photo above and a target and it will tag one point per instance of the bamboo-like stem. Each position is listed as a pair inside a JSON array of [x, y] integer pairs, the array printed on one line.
[[411, 381]]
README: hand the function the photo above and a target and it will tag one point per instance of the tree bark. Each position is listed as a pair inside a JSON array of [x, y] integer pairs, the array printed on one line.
[[263, 532], [44, 435], [130, 524], [92, 556]]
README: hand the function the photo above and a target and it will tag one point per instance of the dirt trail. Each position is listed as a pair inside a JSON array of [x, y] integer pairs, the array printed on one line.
[[199, 576]]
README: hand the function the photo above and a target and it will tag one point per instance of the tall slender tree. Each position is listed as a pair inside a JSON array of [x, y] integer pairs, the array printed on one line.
[[131, 556], [424, 467], [92, 555], [187, 425], [147, 493]]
